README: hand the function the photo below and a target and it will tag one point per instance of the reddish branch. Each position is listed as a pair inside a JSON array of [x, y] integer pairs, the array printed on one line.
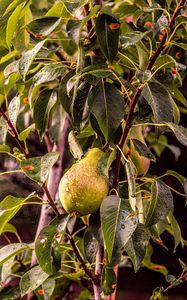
[[134, 101], [139, 91], [14, 133]]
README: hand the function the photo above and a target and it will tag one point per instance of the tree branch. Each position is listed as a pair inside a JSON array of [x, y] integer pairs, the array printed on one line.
[[138, 93], [98, 272], [95, 279], [14, 133]]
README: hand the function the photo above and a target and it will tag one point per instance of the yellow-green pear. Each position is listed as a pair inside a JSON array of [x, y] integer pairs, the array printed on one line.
[[83, 188]]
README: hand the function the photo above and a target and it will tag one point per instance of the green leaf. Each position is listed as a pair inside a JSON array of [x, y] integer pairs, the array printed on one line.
[[13, 249], [59, 10], [180, 132], [25, 133], [42, 109], [74, 145], [27, 59], [132, 38], [161, 203], [48, 286], [4, 149], [48, 73], [37, 168], [9, 206], [10, 228], [63, 94], [163, 62], [175, 230], [44, 248], [180, 45], [107, 112], [108, 281], [6, 270], [11, 293], [107, 30], [90, 246], [11, 25], [137, 244], [32, 279], [117, 223], [143, 150], [159, 100], [13, 109], [44, 25]]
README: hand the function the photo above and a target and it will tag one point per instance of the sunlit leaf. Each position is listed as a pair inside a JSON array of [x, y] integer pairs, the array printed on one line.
[[27, 59], [44, 25], [13, 249], [37, 168]]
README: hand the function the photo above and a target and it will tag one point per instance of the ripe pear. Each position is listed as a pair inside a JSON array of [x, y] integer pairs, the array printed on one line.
[[83, 188], [141, 163]]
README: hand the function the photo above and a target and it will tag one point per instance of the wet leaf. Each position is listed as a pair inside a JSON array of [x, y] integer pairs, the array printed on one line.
[[161, 203], [180, 132], [159, 100], [136, 246], [37, 168], [13, 109], [11, 24], [117, 224], [13, 249], [32, 279], [90, 246], [44, 248], [27, 59], [132, 38]]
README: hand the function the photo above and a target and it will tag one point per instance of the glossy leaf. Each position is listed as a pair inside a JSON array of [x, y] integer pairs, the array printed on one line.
[[27, 59], [175, 230], [32, 279], [132, 38], [44, 248], [159, 100], [42, 109], [9, 207], [117, 223], [136, 246], [10, 228], [11, 25], [164, 61], [13, 109], [180, 132], [107, 112], [143, 150], [161, 203], [107, 30], [48, 286], [13, 249], [63, 93], [12, 293], [43, 26], [74, 145], [48, 73], [90, 246], [37, 168]]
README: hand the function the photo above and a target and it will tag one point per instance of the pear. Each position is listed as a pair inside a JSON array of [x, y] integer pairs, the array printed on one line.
[[83, 188]]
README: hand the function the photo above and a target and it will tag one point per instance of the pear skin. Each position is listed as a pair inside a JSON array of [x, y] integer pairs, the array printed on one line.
[[83, 188]]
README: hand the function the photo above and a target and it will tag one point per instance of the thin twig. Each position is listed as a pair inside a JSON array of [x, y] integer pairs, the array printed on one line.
[[98, 272], [92, 276], [14, 133], [182, 277], [50, 200]]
